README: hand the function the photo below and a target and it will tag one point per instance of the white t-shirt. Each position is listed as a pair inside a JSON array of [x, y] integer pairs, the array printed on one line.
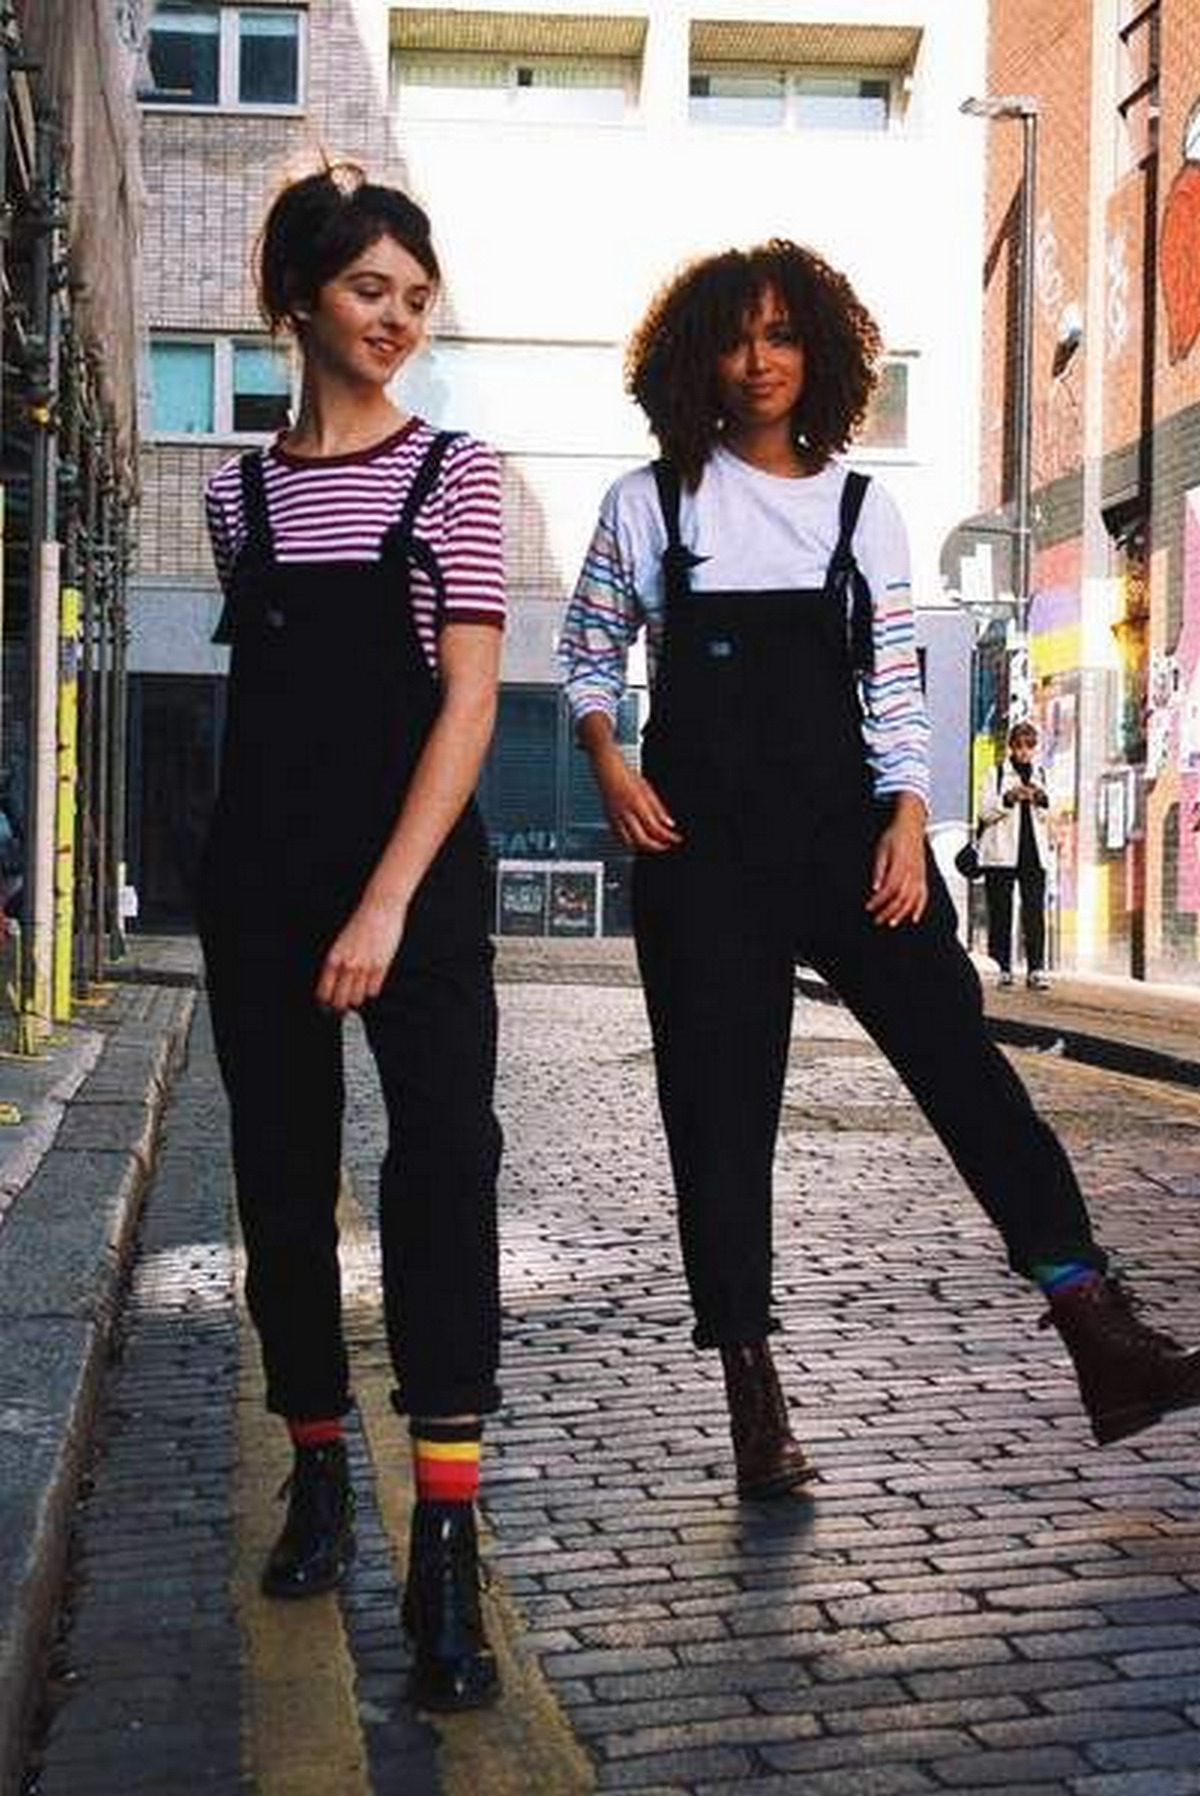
[[755, 532]]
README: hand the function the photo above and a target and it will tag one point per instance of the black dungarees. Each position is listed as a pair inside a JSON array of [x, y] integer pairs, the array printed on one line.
[[331, 699], [755, 743]]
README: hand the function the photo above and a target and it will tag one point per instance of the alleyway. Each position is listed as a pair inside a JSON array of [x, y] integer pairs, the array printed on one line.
[[974, 1597]]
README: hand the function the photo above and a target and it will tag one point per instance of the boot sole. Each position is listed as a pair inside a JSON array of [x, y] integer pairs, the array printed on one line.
[[1119, 1424], [449, 1705], [776, 1487]]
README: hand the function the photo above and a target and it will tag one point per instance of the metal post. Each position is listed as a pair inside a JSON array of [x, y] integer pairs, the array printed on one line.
[[103, 713], [120, 713], [43, 591], [1023, 545], [90, 507]]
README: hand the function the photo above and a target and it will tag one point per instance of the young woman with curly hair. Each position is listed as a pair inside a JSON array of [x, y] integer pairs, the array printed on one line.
[[780, 815]]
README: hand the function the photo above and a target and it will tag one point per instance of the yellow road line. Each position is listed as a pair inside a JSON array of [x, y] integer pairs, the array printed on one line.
[[301, 1734], [524, 1743]]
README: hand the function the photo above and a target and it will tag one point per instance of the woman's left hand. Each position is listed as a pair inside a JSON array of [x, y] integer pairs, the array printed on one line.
[[357, 964], [899, 882]]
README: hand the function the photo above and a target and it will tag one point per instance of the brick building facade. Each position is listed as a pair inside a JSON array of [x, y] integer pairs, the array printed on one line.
[[1114, 625], [568, 161]]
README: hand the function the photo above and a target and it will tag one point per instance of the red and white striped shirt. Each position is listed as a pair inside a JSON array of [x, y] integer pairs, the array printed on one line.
[[337, 508]]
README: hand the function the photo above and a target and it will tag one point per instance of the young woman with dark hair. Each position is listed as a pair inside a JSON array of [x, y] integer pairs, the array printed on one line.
[[780, 815], [345, 869]]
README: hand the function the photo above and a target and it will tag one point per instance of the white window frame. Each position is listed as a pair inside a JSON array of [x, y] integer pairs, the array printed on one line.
[[511, 63], [228, 70], [793, 74], [223, 348]]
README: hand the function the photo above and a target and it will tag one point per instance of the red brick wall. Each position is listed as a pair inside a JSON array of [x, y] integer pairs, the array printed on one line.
[[1043, 48]]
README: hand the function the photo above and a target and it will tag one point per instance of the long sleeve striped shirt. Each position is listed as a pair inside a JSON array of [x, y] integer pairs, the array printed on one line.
[[756, 531]]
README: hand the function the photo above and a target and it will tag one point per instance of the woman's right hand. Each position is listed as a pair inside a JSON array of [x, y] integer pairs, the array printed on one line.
[[633, 808]]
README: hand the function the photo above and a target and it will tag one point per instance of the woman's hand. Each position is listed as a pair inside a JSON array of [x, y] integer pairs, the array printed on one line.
[[633, 808], [357, 964], [899, 882]]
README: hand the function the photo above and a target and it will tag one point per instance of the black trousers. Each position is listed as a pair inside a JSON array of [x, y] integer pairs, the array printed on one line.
[[717, 943], [432, 1032], [998, 883]]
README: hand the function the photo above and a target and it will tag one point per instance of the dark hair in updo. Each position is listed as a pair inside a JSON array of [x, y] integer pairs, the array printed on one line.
[[321, 223]]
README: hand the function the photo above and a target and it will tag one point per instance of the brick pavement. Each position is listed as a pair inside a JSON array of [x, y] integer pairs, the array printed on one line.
[[973, 1598]]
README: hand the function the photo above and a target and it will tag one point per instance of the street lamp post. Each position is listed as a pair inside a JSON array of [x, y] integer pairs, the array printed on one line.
[[1025, 108]]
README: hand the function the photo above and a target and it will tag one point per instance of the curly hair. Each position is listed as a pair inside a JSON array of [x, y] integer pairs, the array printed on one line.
[[671, 359]]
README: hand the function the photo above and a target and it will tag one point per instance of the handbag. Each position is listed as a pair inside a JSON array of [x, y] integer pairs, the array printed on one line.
[[967, 861]]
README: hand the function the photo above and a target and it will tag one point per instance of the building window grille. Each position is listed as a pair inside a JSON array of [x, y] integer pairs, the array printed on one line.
[[1138, 68], [225, 57], [792, 99], [541, 90], [218, 388]]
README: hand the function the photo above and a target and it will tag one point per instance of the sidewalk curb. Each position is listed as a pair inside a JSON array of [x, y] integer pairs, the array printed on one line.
[[57, 1310], [1131, 1058]]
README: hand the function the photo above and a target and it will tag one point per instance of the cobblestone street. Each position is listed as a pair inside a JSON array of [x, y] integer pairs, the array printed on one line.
[[973, 1597]]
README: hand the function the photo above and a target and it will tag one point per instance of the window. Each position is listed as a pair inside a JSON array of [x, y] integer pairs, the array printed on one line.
[[798, 99], [227, 56], [537, 89], [218, 387], [262, 389], [886, 425], [182, 57], [182, 380]]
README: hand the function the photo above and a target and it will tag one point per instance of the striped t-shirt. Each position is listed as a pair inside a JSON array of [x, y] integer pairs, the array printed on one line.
[[755, 532], [337, 508]]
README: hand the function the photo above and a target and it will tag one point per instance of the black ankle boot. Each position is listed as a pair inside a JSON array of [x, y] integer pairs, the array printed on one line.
[[1130, 1375], [314, 1551], [453, 1665], [770, 1460]]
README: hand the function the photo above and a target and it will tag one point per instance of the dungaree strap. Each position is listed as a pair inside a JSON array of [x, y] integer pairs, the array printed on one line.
[[257, 546], [677, 561], [845, 579], [399, 537]]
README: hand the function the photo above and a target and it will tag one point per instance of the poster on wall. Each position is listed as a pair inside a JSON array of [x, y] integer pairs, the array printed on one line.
[[574, 902], [521, 900]]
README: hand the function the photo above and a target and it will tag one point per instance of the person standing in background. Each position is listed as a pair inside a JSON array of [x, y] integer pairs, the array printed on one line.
[[1014, 851]]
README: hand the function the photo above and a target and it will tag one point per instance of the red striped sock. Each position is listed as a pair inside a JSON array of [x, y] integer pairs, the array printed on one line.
[[446, 1460], [321, 1433]]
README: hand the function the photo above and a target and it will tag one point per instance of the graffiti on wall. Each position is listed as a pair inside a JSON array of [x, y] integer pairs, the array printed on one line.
[[1117, 319], [1179, 261]]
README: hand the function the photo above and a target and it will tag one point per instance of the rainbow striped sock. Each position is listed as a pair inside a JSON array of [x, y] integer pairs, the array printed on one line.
[[1057, 1276], [446, 1460]]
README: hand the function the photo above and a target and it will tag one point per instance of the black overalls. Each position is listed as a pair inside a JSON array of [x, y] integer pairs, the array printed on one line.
[[331, 699], [755, 743]]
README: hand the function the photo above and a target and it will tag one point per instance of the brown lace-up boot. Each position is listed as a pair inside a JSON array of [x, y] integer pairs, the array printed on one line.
[[1130, 1375], [770, 1461]]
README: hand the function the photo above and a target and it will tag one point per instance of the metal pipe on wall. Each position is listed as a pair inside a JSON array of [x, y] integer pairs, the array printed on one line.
[[41, 804]]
